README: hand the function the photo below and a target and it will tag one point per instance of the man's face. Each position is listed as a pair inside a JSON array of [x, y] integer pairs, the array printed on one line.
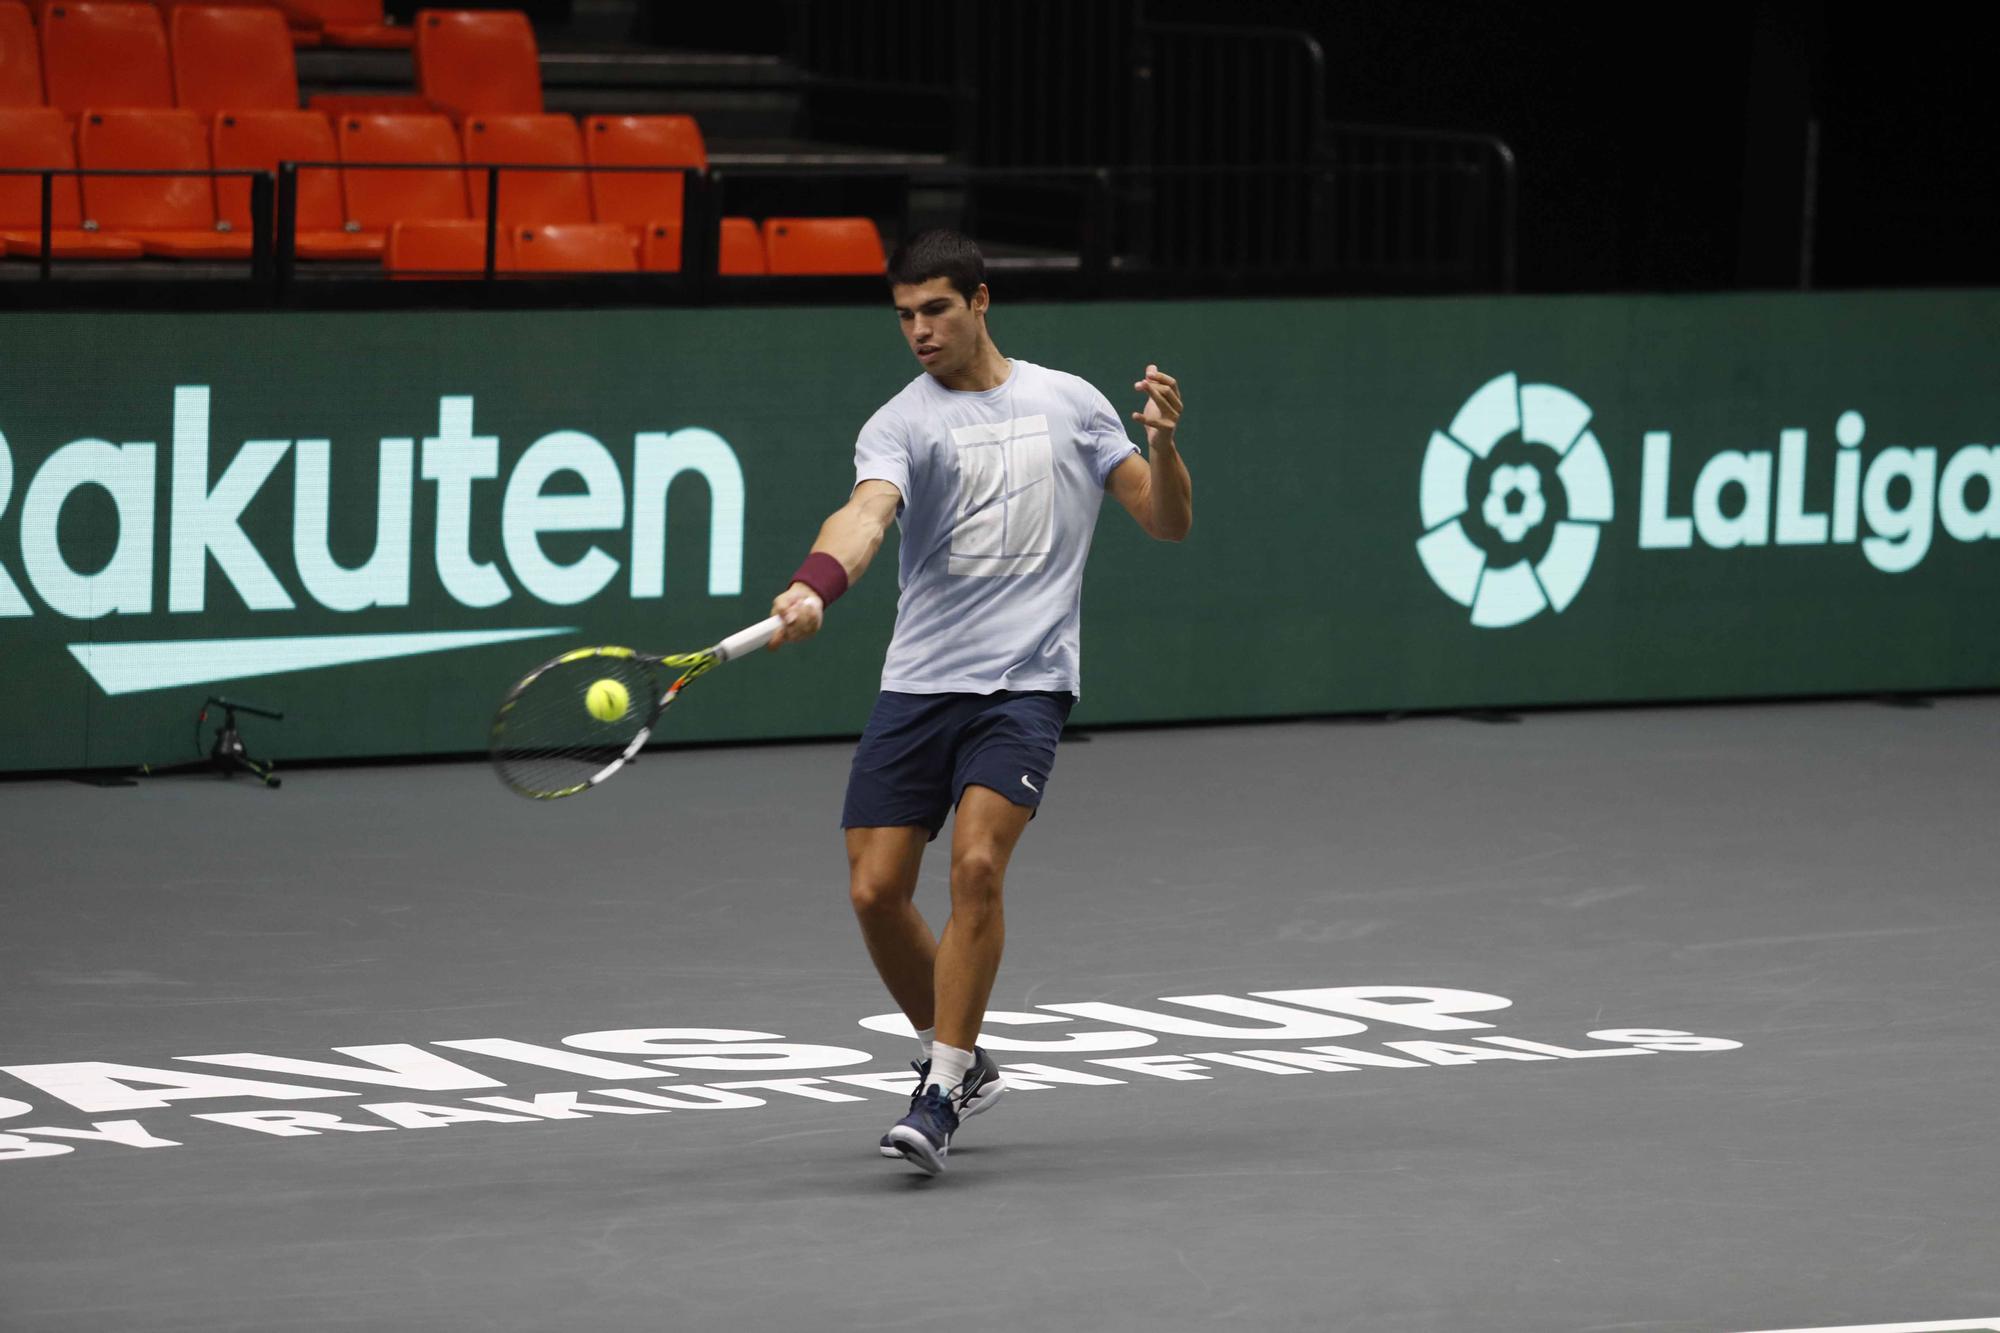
[[940, 326]]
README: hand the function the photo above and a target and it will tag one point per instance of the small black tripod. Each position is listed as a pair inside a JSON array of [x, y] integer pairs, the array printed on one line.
[[229, 753]]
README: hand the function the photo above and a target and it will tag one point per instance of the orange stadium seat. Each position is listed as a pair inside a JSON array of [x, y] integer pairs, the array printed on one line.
[[740, 243], [478, 62], [20, 57], [660, 250], [375, 199], [40, 137], [167, 215], [575, 247], [97, 55], [823, 246], [437, 247], [235, 58], [294, 33], [259, 141], [648, 203], [640, 199], [740, 249], [528, 197], [348, 23]]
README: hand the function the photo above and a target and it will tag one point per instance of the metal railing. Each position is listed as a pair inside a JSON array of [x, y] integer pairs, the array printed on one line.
[[1343, 223], [1141, 231], [1416, 205], [1109, 228], [261, 207], [1075, 83], [697, 237], [1103, 212], [1211, 93], [1056, 79], [889, 70]]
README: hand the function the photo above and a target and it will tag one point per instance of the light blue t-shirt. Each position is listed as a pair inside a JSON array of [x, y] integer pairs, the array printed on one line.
[[1000, 496]]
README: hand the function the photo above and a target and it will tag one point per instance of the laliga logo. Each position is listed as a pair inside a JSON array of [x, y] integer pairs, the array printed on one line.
[[1514, 492]]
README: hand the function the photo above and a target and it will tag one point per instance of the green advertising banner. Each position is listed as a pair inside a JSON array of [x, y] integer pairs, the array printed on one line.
[[375, 522]]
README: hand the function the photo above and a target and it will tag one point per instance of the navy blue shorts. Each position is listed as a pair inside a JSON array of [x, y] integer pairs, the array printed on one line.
[[921, 751]]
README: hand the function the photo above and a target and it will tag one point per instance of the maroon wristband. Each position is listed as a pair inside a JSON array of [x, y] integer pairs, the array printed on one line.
[[824, 575]]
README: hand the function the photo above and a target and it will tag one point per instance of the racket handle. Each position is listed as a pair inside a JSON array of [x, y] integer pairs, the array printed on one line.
[[751, 639]]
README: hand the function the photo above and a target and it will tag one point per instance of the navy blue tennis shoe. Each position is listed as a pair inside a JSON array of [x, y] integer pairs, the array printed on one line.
[[923, 1137], [982, 1087]]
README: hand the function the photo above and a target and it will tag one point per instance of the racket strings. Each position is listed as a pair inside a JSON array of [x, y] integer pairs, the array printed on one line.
[[571, 721]]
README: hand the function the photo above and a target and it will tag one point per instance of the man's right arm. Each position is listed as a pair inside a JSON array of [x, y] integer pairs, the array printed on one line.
[[851, 534]]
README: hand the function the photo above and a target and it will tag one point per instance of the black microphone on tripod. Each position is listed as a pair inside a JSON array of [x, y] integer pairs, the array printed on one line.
[[229, 753]]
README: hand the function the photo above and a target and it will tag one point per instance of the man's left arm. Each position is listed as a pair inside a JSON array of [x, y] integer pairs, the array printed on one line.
[[1157, 490]]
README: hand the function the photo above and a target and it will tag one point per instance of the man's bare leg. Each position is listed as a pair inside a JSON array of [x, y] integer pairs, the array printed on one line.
[[882, 866], [968, 957]]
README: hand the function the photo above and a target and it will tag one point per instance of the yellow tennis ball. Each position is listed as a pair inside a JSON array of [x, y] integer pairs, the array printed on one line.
[[606, 700]]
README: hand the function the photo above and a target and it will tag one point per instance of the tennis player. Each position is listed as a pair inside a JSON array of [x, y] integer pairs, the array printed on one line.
[[994, 470]]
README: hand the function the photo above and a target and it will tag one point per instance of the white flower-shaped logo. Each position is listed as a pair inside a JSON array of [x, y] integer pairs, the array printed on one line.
[[1492, 573], [1501, 514]]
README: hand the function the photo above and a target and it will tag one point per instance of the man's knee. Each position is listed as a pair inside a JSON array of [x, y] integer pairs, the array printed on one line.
[[976, 874], [882, 866], [874, 894]]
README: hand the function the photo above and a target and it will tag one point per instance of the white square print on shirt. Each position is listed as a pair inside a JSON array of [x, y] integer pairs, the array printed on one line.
[[1005, 515]]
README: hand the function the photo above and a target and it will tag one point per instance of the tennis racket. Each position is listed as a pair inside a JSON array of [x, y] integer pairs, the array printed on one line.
[[577, 719]]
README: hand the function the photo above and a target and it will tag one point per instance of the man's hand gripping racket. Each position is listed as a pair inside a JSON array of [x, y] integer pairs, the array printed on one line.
[[577, 719]]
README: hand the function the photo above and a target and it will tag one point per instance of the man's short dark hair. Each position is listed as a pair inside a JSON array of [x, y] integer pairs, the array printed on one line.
[[939, 253]]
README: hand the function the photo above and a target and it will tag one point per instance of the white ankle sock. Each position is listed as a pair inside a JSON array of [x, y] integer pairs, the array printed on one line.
[[925, 1036], [948, 1067]]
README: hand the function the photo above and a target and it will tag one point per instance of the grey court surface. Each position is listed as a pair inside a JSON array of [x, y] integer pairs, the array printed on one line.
[[1452, 908]]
